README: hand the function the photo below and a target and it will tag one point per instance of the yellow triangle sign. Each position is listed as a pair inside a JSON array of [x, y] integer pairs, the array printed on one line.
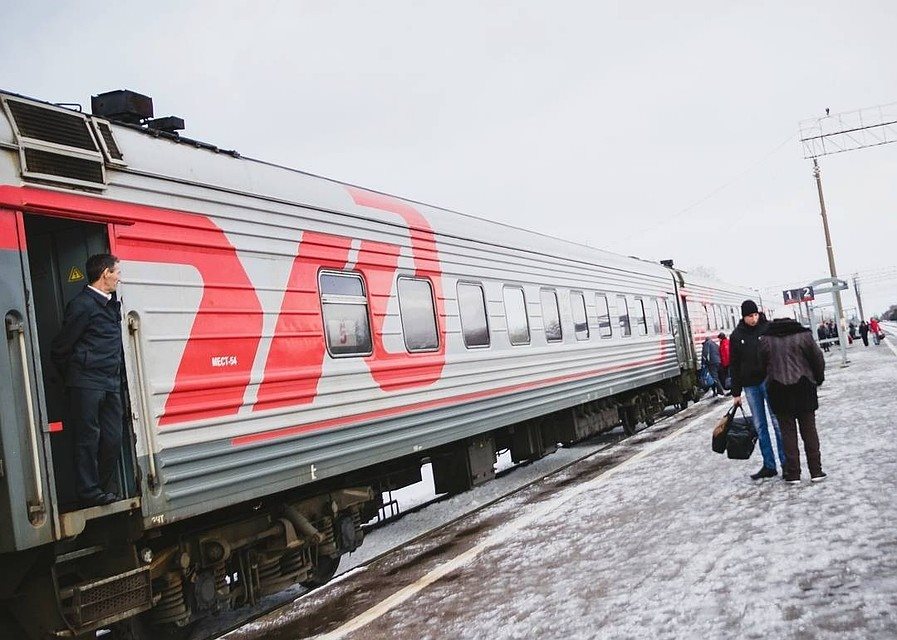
[[75, 275]]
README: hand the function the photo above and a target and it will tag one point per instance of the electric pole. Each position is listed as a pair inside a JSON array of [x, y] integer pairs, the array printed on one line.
[[856, 289], [839, 308]]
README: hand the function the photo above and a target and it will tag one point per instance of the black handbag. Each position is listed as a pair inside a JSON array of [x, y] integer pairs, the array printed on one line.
[[741, 437]]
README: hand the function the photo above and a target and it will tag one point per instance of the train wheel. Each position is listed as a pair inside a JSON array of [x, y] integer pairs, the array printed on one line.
[[323, 571]]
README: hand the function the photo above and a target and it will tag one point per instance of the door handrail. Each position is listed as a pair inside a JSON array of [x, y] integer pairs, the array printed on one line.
[[17, 326], [145, 420]]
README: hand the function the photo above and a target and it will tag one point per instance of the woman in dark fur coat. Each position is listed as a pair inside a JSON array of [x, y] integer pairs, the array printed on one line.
[[794, 366]]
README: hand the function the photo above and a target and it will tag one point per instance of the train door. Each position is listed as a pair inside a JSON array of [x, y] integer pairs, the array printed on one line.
[[57, 251], [676, 329]]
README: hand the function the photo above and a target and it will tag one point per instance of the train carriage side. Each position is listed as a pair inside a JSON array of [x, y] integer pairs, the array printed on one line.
[[712, 307], [293, 346]]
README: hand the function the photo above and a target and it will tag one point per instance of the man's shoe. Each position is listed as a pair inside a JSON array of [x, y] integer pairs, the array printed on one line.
[[99, 500], [819, 477], [765, 472], [792, 479]]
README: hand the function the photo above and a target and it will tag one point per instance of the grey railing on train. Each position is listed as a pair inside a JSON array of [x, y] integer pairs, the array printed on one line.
[[144, 417], [15, 327]]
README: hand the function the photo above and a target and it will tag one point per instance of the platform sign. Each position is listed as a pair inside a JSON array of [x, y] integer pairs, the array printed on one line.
[[795, 296]]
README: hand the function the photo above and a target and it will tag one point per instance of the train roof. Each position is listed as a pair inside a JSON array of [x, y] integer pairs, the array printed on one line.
[[125, 152]]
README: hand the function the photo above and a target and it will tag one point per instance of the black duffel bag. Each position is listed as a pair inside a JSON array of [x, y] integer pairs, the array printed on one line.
[[741, 437]]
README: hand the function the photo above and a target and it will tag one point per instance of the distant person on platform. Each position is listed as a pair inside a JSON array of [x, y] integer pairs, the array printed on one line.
[[864, 332], [875, 330], [710, 358], [88, 353], [725, 360], [794, 366], [749, 375], [822, 334]]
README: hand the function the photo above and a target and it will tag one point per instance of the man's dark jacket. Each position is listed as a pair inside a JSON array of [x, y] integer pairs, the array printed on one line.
[[88, 349], [710, 353], [744, 352]]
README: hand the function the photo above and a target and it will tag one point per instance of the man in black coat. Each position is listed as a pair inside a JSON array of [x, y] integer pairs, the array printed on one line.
[[749, 375], [88, 353]]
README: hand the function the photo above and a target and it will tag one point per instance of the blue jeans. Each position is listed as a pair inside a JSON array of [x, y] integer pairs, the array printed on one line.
[[758, 401]]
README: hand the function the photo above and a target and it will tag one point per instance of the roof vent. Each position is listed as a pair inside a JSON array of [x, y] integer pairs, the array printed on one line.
[[130, 107], [122, 106], [55, 144], [171, 124]]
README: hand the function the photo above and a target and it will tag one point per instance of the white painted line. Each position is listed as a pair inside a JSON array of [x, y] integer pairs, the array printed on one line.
[[500, 535]]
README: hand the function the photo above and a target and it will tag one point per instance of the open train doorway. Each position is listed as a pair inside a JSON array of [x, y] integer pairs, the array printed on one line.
[[57, 251]]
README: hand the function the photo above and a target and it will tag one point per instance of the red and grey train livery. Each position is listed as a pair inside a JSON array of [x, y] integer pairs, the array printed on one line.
[[294, 347]]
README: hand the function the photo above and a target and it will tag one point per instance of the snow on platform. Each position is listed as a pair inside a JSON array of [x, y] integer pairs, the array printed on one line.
[[675, 542]]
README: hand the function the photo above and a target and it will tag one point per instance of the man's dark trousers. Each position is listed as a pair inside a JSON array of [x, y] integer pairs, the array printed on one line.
[[96, 418]]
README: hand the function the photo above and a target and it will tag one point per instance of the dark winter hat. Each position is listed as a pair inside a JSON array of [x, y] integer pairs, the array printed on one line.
[[748, 307]]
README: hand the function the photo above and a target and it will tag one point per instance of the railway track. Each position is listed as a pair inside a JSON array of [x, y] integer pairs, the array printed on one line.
[[560, 474]]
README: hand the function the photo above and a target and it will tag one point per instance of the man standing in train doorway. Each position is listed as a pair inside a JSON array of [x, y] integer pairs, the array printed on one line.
[[748, 374], [88, 353]]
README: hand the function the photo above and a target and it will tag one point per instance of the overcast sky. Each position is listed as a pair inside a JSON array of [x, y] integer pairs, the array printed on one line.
[[655, 129]]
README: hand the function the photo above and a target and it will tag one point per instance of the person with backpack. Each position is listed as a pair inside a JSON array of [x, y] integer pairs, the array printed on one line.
[[710, 358], [749, 375], [795, 367]]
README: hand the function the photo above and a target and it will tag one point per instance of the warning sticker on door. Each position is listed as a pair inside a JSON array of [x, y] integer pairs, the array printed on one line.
[[75, 275]]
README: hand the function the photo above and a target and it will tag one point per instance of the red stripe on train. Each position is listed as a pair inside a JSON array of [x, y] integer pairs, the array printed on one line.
[[400, 370], [8, 239], [296, 356], [229, 307]]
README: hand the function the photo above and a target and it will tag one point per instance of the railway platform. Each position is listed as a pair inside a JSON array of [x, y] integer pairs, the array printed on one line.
[[656, 538]]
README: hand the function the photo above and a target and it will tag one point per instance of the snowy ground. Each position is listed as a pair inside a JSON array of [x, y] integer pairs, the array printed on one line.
[[674, 542]]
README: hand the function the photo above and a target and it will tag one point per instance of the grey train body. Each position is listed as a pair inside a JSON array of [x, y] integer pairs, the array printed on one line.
[[294, 347]]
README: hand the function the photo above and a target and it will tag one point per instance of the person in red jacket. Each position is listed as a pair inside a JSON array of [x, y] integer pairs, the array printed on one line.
[[875, 330], [724, 359]]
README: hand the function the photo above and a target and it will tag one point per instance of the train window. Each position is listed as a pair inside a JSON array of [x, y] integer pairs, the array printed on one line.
[[515, 312], [344, 305], [714, 317], [641, 323], [580, 318], [734, 321], [472, 307], [706, 318], [623, 312], [604, 324], [551, 315], [418, 314], [341, 284], [658, 318], [670, 319]]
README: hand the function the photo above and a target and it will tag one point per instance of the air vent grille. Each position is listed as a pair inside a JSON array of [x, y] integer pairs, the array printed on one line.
[[106, 131], [50, 125], [48, 163]]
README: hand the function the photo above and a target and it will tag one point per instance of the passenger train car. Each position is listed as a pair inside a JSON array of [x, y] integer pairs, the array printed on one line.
[[294, 347]]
